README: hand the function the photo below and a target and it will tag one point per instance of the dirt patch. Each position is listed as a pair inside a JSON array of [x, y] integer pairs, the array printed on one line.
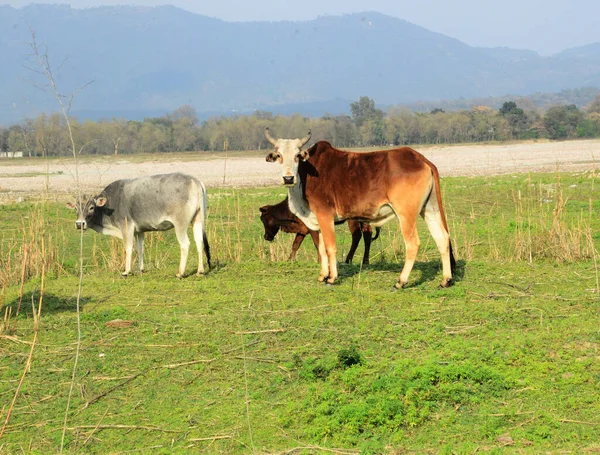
[[58, 176]]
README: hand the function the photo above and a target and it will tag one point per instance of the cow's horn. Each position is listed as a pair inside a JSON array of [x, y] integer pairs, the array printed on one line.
[[269, 138], [305, 139]]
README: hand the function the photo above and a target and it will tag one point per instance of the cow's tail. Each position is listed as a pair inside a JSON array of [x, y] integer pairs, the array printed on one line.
[[203, 213], [438, 196]]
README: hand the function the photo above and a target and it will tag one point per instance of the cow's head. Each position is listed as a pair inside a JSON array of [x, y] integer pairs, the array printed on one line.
[[288, 154], [269, 222], [87, 210]]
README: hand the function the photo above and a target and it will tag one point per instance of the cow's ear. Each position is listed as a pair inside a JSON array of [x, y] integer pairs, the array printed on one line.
[[271, 157], [101, 201], [303, 155], [70, 205]]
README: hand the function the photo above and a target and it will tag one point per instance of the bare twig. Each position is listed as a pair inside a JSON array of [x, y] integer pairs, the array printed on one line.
[[95, 429], [192, 362], [123, 427], [324, 449], [112, 389], [15, 339], [212, 438], [581, 422], [250, 332], [256, 359]]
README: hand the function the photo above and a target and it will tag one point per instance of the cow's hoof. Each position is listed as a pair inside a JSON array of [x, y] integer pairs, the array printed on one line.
[[446, 283], [200, 273], [179, 276], [322, 279], [124, 275], [400, 284]]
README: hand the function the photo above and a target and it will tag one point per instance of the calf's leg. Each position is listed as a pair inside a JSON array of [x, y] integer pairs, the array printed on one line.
[[315, 238], [367, 233], [297, 242], [356, 235]]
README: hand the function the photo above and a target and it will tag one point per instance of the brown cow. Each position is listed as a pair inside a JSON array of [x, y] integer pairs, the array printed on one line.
[[327, 185], [279, 216]]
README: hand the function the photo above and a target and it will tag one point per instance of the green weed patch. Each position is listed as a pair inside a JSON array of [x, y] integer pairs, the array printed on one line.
[[256, 357]]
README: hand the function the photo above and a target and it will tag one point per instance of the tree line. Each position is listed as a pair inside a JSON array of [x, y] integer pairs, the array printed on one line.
[[181, 130]]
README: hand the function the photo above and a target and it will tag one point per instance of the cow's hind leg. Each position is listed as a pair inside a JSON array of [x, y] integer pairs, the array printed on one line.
[[201, 241], [432, 216], [184, 244], [139, 246], [408, 224]]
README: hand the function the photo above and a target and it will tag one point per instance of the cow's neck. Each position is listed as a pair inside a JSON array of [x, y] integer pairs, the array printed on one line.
[[299, 206]]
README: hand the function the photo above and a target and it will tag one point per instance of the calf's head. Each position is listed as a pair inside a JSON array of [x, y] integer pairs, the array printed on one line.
[[269, 222], [288, 154], [87, 209]]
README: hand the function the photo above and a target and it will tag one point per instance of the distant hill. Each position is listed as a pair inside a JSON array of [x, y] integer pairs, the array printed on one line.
[[144, 61]]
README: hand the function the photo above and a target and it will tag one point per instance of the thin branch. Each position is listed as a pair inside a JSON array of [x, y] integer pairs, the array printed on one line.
[[95, 429], [192, 362], [112, 389], [211, 439], [251, 332], [44, 62], [124, 427]]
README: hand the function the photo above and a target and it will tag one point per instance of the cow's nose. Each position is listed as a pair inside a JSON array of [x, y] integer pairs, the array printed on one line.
[[81, 225], [268, 238], [288, 180]]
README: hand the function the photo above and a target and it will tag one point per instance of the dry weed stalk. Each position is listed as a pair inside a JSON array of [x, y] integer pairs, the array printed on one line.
[[36, 328], [65, 103], [544, 233]]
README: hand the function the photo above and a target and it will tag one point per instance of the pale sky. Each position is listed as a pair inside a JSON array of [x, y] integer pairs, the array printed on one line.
[[545, 26]]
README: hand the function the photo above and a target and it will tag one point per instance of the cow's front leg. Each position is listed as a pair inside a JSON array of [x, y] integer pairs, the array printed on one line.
[[139, 244], [128, 243], [323, 259], [328, 235]]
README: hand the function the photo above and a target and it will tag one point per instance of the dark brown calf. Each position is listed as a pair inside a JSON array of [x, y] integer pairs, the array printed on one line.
[[279, 216]]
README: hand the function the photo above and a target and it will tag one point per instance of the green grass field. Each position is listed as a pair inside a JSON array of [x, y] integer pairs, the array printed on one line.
[[257, 357]]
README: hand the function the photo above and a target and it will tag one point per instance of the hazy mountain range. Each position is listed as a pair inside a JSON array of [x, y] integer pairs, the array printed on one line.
[[146, 61]]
